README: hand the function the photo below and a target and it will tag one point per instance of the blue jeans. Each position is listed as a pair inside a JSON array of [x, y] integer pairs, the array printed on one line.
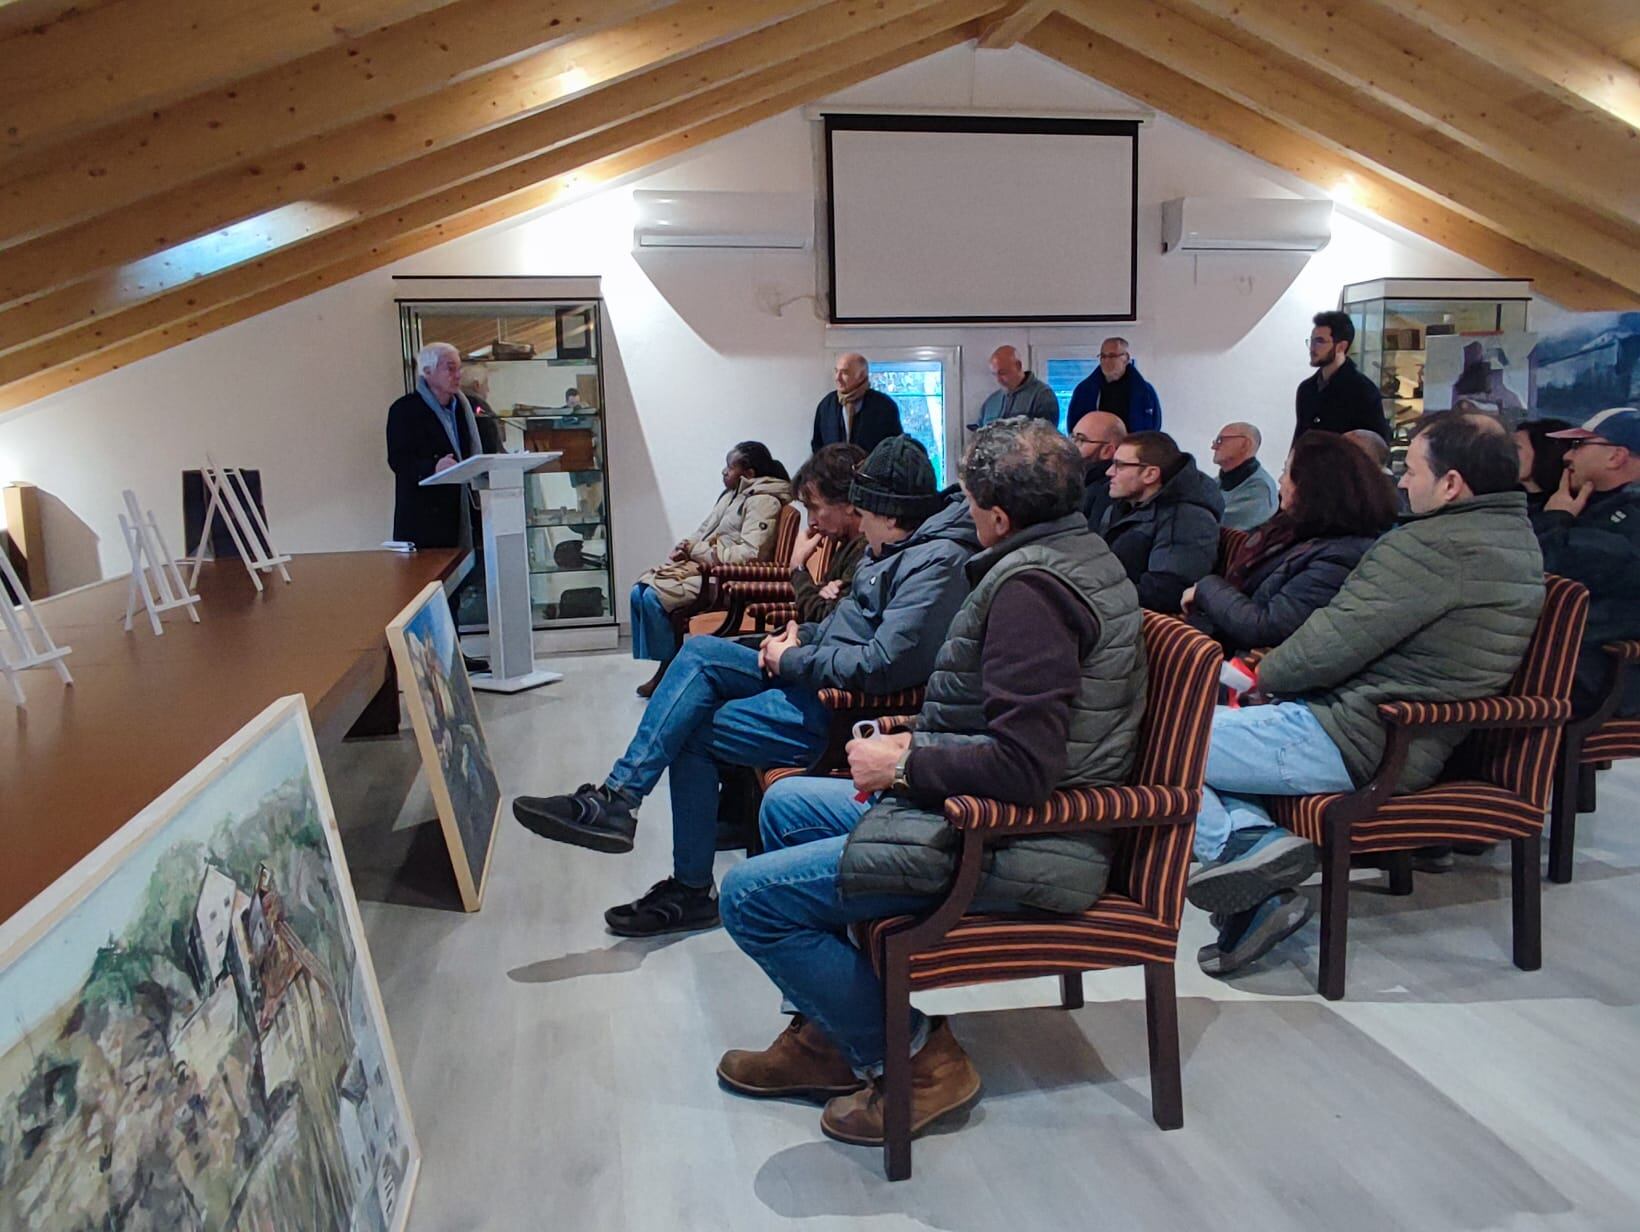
[[715, 706], [784, 910], [1275, 750], [652, 636]]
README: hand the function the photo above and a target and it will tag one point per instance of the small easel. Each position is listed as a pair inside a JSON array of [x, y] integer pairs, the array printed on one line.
[[31, 642], [230, 499], [154, 572]]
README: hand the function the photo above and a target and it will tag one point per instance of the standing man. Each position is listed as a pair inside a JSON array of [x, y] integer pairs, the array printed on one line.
[[1117, 387], [1339, 396], [1096, 436], [1018, 392], [854, 413], [429, 431], [1251, 493]]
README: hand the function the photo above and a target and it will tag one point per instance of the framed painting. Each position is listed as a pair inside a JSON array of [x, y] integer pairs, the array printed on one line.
[[454, 754], [191, 1034]]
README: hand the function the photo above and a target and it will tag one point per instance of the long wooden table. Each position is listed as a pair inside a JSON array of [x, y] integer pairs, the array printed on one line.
[[79, 761]]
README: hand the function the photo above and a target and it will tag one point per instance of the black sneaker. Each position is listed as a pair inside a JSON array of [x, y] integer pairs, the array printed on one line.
[[668, 907], [1256, 864], [1255, 933], [598, 818]]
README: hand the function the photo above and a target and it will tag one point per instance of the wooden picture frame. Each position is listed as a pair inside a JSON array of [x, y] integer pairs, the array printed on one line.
[[575, 331], [218, 930], [444, 714]]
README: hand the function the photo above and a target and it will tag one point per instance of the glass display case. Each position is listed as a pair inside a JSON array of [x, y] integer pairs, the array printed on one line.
[[1395, 318], [537, 366]]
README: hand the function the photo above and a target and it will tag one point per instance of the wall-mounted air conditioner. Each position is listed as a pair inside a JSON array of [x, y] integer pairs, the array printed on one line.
[[1245, 224], [687, 219]]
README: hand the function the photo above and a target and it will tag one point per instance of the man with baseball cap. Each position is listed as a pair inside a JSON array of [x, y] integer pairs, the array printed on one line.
[[721, 703], [1589, 530]]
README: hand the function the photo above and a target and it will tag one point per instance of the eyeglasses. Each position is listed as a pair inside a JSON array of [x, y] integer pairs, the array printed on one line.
[[1078, 439], [1314, 342], [1587, 440], [1117, 462], [1229, 436], [1113, 354]]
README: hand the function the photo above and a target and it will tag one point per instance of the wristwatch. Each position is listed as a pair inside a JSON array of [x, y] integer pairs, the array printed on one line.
[[901, 768]]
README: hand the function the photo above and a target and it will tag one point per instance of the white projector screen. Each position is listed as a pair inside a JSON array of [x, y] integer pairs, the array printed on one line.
[[981, 218]]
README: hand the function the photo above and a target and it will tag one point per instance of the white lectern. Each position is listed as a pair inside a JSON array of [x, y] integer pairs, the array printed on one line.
[[499, 478]]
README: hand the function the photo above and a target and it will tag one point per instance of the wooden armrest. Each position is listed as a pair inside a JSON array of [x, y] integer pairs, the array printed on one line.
[[870, 705], [753, 571], [1077, 808], [1623, 652], [760, 592], [1488, 712], [889, 724], [771, 615]]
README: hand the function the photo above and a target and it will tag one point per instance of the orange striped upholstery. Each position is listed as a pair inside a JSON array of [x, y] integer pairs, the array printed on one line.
[[761, 592], [754, 571], [1462, 811], [1615, 740], [903, 701], [770, 615], [785, 536], [1231, 542], [891, 723], [1137, 920], [1624, 652], [1507, 709], [769, 777]]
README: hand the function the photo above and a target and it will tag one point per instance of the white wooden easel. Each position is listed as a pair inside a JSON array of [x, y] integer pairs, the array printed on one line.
[[31, 644], [230, 499], [154, 572]]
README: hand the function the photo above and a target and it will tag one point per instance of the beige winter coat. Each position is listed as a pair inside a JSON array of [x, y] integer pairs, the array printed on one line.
[[740, 528]]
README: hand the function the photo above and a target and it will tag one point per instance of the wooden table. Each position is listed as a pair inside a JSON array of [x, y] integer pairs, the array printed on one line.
[[79, 761]]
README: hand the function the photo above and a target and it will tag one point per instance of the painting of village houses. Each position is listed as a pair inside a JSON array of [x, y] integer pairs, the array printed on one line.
[[193, 1039]]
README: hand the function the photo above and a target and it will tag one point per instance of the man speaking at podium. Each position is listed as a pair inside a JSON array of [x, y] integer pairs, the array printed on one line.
[[429, 431]]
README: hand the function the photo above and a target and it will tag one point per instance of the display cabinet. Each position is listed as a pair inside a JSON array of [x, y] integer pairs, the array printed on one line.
[[537, 366], [1396, 317]]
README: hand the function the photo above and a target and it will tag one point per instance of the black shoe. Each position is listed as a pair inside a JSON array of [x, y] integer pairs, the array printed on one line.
[[668, 907], [598, 818], [1253, 934], [474, 665]]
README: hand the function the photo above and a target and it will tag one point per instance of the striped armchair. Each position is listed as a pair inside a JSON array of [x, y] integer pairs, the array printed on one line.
[[762, 584], [1592, 743], [1496, 787], [1136, 923]]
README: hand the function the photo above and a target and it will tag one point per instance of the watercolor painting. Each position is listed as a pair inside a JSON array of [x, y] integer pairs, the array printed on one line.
[[444, 715], [191, 1034]]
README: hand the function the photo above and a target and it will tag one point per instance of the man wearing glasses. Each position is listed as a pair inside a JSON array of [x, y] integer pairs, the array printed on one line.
[[1589, 530], [1339, 397], [1251, 493], [1116, 387]]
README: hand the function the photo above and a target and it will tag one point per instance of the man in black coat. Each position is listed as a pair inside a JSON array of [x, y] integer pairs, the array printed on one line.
[[1339, 397], [854, 413], [430, 430]]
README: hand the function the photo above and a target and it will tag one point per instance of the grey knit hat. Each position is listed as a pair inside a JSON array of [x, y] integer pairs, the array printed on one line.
[[897, 481]]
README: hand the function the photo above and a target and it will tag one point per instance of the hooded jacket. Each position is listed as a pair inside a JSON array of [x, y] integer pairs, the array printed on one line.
[[885, 634], [1171, 542], [1144, 413], [742, 524]]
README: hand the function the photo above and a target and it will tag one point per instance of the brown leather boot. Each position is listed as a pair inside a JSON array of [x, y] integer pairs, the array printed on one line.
[[802, 1062], [943, 1080]]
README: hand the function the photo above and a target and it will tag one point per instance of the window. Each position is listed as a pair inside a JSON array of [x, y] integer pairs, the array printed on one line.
[[1064, 368], [924, 384]]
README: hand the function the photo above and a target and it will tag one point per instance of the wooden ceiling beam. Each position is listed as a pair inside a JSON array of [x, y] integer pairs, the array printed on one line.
[[1192, 103], [83, 70], [1406, 67], [1293, 93], [1537, 48], [311, 169], [1014, 23], [944, 26], [127, 161]]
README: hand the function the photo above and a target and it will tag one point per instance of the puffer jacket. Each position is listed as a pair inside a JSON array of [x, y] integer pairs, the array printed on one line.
[[900, 848], [1283, 593], [742, 524], [1440, 609], [1170, 543], [884, 635]]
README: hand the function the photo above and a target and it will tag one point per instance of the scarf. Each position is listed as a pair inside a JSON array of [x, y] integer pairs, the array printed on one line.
[[1263, 546], [446, 418]]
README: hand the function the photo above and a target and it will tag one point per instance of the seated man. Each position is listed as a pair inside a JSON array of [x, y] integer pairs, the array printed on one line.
[[722, 702], [822, 487], [1440, 609], [1589, 530], [1163, 519], [1041, 685], [1251, 494], [1096, 436]]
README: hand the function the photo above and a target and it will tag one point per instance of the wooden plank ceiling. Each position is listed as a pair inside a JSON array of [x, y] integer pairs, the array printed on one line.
[[169, 167]]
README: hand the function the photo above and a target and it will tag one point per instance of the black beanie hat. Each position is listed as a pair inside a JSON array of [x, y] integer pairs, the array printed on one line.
[[896, 481]]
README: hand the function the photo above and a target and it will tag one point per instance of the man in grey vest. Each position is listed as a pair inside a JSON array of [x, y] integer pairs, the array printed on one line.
[[1040, 685]]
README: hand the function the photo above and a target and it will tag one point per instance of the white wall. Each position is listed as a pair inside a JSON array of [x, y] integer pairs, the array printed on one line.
[[700, 356]]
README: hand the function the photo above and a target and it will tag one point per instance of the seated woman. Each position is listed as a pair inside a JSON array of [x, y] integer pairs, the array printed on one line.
[[740, 528], [1542, 459], [1334, 503]]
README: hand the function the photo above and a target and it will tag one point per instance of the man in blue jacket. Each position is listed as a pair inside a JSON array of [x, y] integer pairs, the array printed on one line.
[[721, 703], [1117, 387]]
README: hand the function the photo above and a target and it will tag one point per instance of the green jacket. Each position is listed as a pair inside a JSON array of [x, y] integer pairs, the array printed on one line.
[[900, 848], [1440, 609]]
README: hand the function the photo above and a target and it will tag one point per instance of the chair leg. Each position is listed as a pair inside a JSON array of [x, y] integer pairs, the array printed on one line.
[[1335, 912], [897, 1065], [1527, 888], [1585, 786], [1563, 817], [1399, 866], [1070, 991], [1162, 1029]]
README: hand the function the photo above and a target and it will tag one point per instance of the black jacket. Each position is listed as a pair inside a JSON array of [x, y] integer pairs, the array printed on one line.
[[1095, 492], [1172, 542], [1283, 593], [879, 419], [1346, 402], [426, 517]]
